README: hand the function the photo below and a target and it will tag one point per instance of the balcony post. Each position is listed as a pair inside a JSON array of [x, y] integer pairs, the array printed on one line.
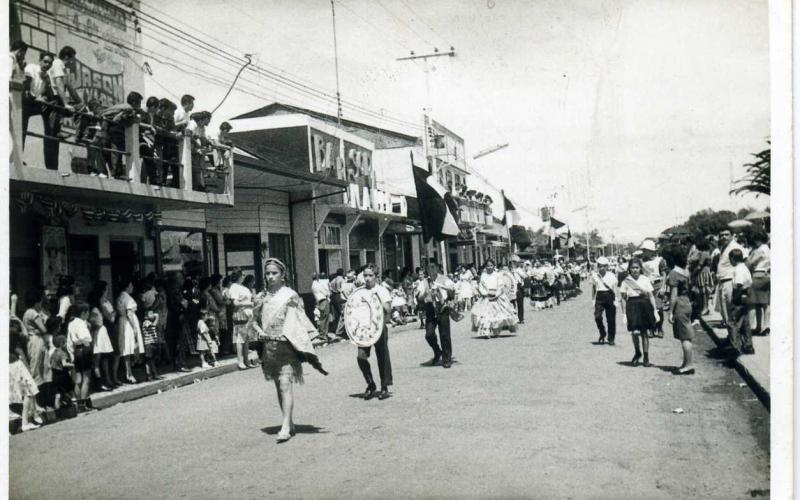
[[15, 116], [132, 161], [186, 162], [229, 178]]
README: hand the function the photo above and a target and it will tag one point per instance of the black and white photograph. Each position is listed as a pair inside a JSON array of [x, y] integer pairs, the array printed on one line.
[[399, 249]]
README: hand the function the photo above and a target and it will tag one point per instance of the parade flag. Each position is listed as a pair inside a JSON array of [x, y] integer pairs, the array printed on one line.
[[555, 225], [510, 215], [436, 212]]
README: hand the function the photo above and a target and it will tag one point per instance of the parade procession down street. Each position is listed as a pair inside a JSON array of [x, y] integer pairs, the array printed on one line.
[[396, 249]]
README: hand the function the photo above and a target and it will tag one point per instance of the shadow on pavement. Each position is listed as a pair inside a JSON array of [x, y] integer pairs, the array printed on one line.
[[501, 336], [298, 428], [629, 364]]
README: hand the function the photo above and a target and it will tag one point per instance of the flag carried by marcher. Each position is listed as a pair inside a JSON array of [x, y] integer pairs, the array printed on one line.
[[436, 207], [510, 215]]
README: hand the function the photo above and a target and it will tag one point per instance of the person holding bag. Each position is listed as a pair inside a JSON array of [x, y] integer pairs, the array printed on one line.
[[639, 310], [242, 300]]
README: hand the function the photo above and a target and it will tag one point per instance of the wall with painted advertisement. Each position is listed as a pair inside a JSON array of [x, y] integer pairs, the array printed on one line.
[[103, 35]]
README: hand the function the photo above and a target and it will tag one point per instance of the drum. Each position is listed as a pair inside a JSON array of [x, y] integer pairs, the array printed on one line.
[[363, 317]]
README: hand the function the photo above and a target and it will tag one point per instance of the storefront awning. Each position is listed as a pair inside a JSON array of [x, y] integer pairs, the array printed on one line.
[[254, 173]]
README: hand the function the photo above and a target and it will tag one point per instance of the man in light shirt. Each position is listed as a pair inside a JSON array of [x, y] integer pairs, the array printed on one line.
[[36, 100], [605, 295], [725, 275], [520, 276], [439, 284], [345, 290], [322, 292]]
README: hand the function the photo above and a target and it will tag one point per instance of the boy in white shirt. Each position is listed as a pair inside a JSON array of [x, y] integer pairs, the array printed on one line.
[[739, 331]]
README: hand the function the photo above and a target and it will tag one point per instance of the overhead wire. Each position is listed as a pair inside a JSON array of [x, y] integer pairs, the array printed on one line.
[[182, 35], [401, 21], [422, 20]]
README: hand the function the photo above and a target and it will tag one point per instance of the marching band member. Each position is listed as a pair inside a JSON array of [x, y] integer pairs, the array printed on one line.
[[433, 294], [382, 345]]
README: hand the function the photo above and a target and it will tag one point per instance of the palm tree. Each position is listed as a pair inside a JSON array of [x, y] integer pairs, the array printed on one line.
[[758, 176]]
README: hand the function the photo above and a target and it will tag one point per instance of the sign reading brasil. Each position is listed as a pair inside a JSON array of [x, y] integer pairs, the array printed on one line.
[[89, 84], [354, 166]]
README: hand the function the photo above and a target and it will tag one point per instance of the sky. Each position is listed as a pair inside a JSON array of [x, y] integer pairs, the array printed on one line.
[[640, 111]]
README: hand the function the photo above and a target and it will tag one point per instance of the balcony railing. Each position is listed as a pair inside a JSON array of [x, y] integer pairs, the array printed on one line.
[[204, 169]]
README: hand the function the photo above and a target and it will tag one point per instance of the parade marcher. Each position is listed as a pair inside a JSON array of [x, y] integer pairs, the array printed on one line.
[[419, 279], [129, 331], [464, 293], [539, 293], [521, 278], [346, 289], [655, 269], [383, 296], [434, 295], [638, 309], [286, 333], [605, 296], [492, 312], [680, 308], [336, 301], [321, 289]]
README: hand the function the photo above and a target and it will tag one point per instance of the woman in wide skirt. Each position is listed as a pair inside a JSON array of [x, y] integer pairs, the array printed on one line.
[[638, 309], [493, 312]]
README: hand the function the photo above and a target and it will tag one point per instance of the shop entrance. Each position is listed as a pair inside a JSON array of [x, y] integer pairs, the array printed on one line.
[[126, 261], [243, 251], [83, 263]]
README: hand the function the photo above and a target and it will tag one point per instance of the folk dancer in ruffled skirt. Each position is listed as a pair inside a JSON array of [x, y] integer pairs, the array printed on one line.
[[493, 311], [286, 333]]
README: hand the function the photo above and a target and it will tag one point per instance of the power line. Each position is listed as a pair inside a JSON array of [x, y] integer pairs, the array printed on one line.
[[412, 30], [299, 85], [377, 30], [418, 17]]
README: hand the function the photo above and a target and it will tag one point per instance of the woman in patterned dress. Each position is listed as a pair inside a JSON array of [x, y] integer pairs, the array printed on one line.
[[286, 333], [493, 311]]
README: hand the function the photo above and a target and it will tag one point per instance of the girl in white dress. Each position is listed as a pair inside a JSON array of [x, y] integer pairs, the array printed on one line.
[[493, 312]]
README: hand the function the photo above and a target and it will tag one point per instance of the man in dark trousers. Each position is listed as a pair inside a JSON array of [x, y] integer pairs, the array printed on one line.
[[433, 293], [382, 345], [521, 278], [604, 296]]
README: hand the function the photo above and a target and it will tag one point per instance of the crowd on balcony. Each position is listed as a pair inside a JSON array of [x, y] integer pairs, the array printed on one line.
[[101, 129]]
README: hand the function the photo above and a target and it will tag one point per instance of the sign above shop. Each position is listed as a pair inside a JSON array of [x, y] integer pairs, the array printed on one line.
[[353, 163]]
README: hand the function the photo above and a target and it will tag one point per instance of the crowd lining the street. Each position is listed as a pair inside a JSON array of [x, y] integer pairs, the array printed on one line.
[[679, 282]]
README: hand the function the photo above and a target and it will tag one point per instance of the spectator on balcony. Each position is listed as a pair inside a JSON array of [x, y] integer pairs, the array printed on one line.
[[167, 143], [17, 60], [222, 158], [39, 98], [197, 128], [60, 78], [183, 116], [147, 143]]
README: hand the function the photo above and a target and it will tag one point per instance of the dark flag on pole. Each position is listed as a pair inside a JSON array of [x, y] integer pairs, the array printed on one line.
[[510, 215], [436, 207]]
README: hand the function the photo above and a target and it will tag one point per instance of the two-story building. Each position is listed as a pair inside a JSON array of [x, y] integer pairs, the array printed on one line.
[[67, 221]]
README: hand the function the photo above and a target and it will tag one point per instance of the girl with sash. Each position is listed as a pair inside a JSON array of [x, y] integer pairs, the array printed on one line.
[[286, 333], [493, 312], [638, 308]]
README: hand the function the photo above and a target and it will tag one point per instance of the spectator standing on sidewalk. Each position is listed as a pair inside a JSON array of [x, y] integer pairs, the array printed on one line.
[[679, 313], [742, 282], [725, 275], [322, 292], [336, 297], [758, 262]]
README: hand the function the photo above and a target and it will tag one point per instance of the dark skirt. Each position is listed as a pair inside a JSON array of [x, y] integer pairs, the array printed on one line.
[[759, 291], [279, 359], [682, 327], [640, 315], [83, 358]]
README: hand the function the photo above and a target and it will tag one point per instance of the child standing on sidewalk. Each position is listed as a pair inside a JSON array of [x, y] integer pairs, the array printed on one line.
[[742, 281], [61, 364], [205, 342], [151, 344]]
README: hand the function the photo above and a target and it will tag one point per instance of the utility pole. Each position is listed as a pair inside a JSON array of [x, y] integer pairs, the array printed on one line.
[[336, 63], [432, 167]]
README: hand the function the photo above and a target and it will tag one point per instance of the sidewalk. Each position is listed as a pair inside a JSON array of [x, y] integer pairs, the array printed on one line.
[[754, 368], [171, 380]]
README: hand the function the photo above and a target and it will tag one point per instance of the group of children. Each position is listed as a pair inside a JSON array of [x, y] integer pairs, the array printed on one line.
[[161, 127]]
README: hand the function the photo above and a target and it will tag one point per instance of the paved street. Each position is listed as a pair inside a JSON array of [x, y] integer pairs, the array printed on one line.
[[543, 414]]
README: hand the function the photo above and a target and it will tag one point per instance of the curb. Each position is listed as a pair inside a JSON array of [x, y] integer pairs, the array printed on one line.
[[757, 386]]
